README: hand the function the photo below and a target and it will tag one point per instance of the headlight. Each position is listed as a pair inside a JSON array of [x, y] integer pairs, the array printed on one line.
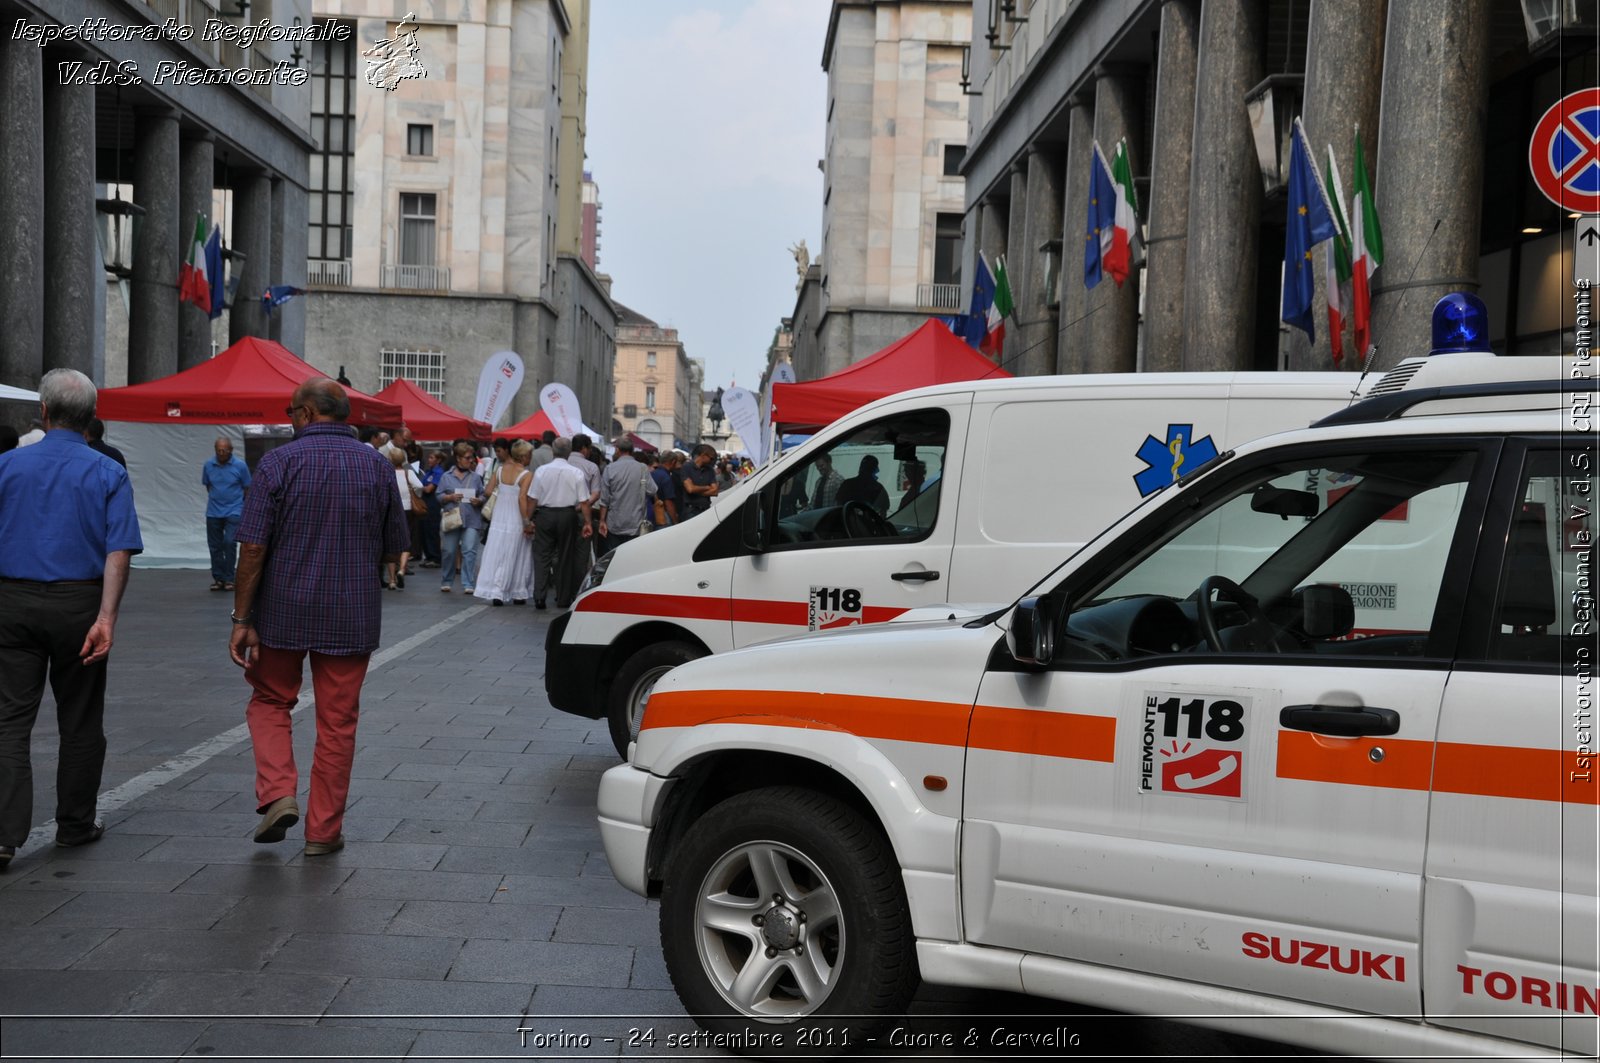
[[597, 572]]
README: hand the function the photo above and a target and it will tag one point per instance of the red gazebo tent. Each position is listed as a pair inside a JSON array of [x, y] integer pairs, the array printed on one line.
[[428, 418], [930, 355], [249, 383], [532, 429]]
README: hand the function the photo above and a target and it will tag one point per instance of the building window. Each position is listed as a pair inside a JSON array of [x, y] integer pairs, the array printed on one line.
[[419, 139], [953, 154], [424, 368], [650, 359], [418, 216], [332, 161], [947, 249], [650, 398]]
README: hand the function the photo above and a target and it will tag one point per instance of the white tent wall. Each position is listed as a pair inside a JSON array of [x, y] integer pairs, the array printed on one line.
[[164, 463]]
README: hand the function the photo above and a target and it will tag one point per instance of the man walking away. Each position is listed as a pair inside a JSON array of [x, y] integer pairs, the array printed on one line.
[[559, 523], [324, 514], [542, 454], [96, 435], [227, 478], [68, 529], [698, 482], [627, 497]]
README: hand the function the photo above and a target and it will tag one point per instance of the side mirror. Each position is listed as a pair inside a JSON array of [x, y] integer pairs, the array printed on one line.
[[750, 537], [1030, 636]]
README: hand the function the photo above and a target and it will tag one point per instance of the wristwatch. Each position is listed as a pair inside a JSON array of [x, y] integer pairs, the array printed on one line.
[[247, 619]]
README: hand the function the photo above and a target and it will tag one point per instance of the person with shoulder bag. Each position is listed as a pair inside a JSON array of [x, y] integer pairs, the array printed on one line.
[[627, 497]]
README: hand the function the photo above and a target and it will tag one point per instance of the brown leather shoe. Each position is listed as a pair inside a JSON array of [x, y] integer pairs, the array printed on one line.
[[276, 821], [324, 848]]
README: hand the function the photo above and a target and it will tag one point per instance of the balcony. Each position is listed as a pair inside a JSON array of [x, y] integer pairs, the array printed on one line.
[[939, 297], [416, 278], [328, 273]]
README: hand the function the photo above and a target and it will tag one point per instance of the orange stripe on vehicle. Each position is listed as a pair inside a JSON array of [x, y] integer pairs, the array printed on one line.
[[902, 720], [1075, 736], [1446, 767], [704, 607]]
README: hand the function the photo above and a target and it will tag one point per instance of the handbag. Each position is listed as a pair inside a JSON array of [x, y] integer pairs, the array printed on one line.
[[451, 521], [418, 505], [487, 512]]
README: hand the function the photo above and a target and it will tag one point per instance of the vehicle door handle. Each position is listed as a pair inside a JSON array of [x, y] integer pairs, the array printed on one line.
[[1340, 721], [924, 576]]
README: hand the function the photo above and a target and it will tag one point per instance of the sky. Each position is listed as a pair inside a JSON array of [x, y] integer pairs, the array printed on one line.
[[705, 124]]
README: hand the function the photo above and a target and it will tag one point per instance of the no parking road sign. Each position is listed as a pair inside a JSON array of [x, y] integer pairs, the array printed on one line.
[[1564, 153]]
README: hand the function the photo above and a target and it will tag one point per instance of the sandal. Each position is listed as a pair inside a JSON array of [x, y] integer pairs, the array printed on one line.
[[217, 585]]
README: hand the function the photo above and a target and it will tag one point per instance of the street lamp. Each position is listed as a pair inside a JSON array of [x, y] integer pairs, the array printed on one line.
[[1548, 21], [116, 227], [1050, 266], [1272, 107]]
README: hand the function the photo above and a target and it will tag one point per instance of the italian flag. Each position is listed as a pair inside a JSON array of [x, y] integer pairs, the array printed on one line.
[[192, 284], [1337, 269], [994, 340], [1124, 250], [1366, 253]]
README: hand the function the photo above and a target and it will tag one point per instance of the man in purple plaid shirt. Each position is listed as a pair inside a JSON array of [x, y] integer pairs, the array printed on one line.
[[321, 514]]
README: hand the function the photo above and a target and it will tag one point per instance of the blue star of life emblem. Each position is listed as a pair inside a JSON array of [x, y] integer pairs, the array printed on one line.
[[1180, 455]]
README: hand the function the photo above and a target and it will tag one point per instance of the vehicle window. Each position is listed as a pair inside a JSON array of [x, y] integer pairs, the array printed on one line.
[[1336, 555], [1542, 612], [882, 481]]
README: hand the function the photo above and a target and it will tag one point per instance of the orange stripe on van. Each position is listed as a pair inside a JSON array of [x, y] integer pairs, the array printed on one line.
[[1050, 734], [897, 719], [1447, 767], [706, 607]]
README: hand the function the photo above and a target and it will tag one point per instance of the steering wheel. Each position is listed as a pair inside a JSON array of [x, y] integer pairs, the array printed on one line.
[[861, 521], [1256, 622]]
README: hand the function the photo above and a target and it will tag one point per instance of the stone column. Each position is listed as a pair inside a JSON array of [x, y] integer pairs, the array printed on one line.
[[1430, 167], [1113, 322], [290, 205], [72, 262], [22, 207], [1171, 155], [153, 310], [993, 230], [1224, 191], [1017, 266], [1072, 335], [1035, 346], [195, 178], [1344, 35], [252, 236]]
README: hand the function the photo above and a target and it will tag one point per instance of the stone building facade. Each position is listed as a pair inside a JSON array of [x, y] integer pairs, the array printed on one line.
[[1446, 95], [658, 384], [107, 112], [893, 198], [452, 244]]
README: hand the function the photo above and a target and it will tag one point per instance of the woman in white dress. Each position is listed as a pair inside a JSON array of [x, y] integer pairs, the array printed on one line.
[[506, 570], [408, 485]]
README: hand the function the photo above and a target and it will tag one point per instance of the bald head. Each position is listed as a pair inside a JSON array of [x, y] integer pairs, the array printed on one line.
[[325, 399], [224, 449]]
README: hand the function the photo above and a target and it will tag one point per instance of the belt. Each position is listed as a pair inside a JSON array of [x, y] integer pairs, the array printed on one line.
[[97, 581], [558, 507]]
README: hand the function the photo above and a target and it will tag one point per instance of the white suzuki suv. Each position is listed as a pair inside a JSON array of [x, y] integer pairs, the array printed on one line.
[[1305, 738]]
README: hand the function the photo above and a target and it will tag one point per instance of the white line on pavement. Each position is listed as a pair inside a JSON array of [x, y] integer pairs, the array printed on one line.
[[190, 759]]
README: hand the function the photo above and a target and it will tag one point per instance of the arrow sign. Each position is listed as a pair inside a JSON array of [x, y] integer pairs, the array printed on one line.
[[1586, 249]]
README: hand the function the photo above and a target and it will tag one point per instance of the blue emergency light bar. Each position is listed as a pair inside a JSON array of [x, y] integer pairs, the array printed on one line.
[[1460, 323]]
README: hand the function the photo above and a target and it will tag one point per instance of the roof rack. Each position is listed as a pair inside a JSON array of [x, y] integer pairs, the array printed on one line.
[[1390, 406]]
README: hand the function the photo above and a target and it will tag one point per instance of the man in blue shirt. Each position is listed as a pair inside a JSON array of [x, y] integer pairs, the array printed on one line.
[[226, 478], [67, 532]]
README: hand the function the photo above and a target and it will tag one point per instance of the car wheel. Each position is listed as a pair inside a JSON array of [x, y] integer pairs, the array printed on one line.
[[634, 682], [785, 907]]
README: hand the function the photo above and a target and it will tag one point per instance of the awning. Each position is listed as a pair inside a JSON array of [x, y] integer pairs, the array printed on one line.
[[428, 418]]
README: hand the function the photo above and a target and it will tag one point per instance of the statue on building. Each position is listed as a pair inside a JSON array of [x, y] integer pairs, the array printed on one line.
[[802, 262]]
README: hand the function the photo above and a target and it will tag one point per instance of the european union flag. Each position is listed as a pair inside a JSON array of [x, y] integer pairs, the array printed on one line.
[[1310, 222], [1102, 218], [215, 277], [976, 326]]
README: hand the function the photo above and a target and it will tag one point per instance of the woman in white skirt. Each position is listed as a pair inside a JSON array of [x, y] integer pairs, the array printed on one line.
[[506, 570]]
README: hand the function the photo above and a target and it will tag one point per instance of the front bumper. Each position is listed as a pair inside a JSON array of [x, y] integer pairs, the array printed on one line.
[[572, 673], [626, 805]]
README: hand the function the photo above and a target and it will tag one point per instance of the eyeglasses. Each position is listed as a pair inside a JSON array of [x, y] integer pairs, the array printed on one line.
[[288, 411]]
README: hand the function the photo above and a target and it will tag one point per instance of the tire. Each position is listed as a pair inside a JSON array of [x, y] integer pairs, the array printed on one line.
[[833, 962], [635, 680]]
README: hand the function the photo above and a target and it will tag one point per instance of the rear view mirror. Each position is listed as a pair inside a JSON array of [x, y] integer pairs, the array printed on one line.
[[1284, 501], [905, 452], [1029, 636], [1326, 611]]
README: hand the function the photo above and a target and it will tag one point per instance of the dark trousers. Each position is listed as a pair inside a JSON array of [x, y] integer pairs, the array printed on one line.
[[219, 537], [430, 531], [557, 551], [612, 541], [42, 628]]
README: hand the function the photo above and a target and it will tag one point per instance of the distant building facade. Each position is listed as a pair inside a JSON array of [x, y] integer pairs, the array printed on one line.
[[461, 237], [893, 194], [658, 385], [591, 221]]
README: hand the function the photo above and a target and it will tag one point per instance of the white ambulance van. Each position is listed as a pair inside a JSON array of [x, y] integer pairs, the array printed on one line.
[[955, 493], [1301, 748]]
